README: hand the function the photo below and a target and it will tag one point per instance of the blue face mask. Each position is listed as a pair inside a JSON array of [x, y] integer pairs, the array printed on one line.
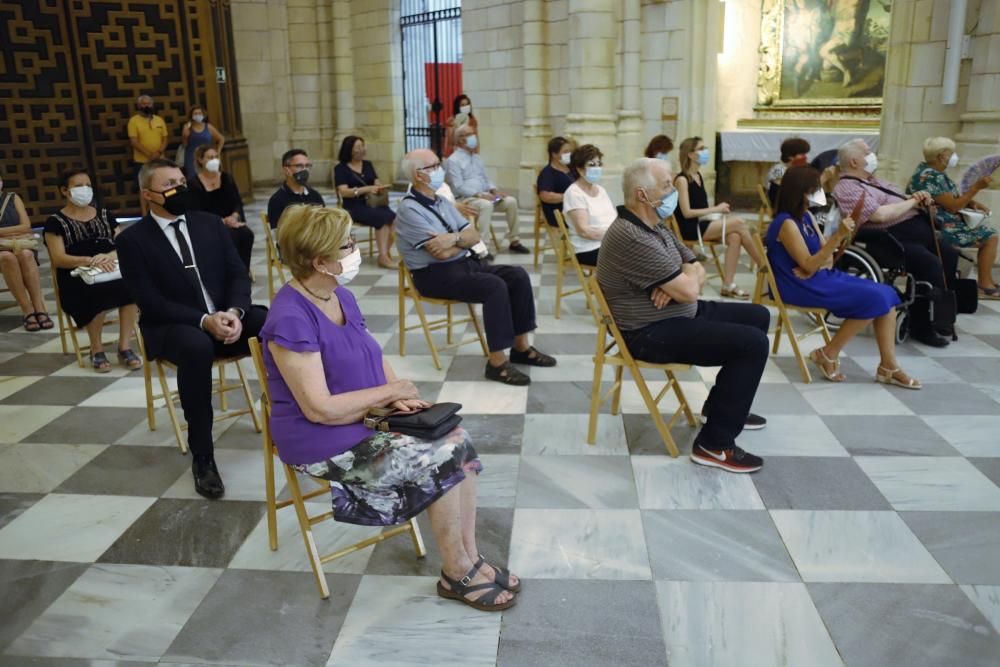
[[661, 156], [593, 174], [667, 206], [703, 157], [471, 142], [437, 179]]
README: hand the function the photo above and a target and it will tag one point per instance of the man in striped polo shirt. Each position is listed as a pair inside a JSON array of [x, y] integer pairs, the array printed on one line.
[[653, 283]]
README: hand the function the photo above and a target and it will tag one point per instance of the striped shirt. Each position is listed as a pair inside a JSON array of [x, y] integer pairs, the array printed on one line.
[[848, 193], [635, 259]]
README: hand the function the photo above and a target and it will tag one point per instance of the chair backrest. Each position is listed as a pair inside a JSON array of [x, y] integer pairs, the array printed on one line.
[[268, 232], [257, 354], [606, 322], [765, 203], [565, 246], [538, 203], [765, 275]]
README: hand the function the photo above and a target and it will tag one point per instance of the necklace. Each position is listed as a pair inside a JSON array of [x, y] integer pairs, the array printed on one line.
[[313, 294]]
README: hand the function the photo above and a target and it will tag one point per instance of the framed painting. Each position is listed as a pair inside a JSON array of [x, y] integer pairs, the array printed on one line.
[[823, 53]]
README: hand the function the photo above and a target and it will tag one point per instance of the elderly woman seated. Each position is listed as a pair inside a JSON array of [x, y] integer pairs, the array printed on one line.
[[802, 261], [325, 371], [930, 176], [587, 207]]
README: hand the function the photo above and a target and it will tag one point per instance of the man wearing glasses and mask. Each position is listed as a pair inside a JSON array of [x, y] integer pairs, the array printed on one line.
[[193, 294], [296, 166]]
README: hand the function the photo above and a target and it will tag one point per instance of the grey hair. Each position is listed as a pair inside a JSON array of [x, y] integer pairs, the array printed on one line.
[[934, 146], [410, 163], [639, 174], [143, 97], [850, 150]]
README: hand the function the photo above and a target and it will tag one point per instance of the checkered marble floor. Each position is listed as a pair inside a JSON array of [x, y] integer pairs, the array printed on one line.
[[871, 536]]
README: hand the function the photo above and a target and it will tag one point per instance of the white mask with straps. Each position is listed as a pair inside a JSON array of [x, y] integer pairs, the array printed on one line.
[[817, 198]]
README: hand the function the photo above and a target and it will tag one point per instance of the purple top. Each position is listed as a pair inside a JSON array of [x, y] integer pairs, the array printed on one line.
[[351, 358]]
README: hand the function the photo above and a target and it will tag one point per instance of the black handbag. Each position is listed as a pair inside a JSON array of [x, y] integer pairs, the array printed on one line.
[[430, 423]]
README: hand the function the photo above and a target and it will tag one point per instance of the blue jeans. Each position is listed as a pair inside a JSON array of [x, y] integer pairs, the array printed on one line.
[[730, 335]]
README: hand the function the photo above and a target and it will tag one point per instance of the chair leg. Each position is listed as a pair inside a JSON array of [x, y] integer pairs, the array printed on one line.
[[451, 324], [682, 399], [479, 330], [147, 377], [249, 397], [419, 307], [560, 268], [538, 242], [793, 339], [718, 265], [654, 412], [307, 534], [76, 343], [595, 392], [272, 497], [171, 409], [777, 332], [223, 401], [616, 398], [402, 316], [418, 539]]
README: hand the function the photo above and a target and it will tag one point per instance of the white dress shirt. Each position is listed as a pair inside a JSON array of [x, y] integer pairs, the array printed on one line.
[[168, 231]]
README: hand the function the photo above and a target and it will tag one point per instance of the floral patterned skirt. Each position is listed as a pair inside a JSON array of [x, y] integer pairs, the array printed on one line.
[[961, 235], [389, 478]]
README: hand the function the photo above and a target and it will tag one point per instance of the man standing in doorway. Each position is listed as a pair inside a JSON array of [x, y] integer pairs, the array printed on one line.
[[147, 137]]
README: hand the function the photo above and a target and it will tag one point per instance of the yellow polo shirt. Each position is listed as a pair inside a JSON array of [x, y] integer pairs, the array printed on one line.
[[151, 132]]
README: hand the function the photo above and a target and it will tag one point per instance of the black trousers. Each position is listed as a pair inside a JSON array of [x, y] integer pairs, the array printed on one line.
[[730, 335], [194, 351], [921, 260], [505, 292], [588, 258], [243, 240]]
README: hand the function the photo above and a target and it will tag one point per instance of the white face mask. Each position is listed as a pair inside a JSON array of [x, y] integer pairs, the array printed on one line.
[[465, 108], [564, 157], [953, 161], [213, 165], [81, 195], [197, 118], [350, 265], [871, 163], [817, 199]]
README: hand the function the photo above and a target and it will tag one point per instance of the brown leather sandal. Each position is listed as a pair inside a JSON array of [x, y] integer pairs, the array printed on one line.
[[485, 602]]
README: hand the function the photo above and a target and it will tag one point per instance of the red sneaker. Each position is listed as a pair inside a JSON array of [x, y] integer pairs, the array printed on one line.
[[733, 459]]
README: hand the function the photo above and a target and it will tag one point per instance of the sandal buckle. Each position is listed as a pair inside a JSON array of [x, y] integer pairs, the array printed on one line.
[[466, 580]]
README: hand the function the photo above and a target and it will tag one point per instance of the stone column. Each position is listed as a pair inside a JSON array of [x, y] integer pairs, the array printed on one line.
[[980, 123], [698, 115], [535, 130], [305, 33], [630, 142], [343, 73], [592, 40]]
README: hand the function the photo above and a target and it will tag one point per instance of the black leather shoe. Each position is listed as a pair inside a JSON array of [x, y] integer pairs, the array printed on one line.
[[930, 338], [207, 481]]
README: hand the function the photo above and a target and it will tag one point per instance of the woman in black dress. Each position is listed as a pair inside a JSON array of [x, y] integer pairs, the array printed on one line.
[[355, 179], [81, 235], [697, 219], [215, 192]]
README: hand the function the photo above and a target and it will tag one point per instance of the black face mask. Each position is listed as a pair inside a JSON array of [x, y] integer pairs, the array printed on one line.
[[146, 111], [176, 200], [301, 177]]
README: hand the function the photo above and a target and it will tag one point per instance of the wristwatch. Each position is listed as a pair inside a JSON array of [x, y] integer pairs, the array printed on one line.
[[355, 192]]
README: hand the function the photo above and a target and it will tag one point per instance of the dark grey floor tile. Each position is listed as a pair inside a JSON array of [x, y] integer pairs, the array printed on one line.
[[817, 483], [241, 435], [992, 340], [643, 438], [495, 434], [396, 556], [948, 399], [576, 482], [383, 291], [128, 471], [429, 390], [886, 435], [560, 622], [905, 625], [265, 618], [58, 391], [13, 504], [466, 368], [967, 546], [15, 345], [716, 545], [99, 426], [193, 533], [29, 587], [556, 344], [789, 367], [779, 399], [382, 323], [989, 467], [983, 370], [561, 398], [34, 363]]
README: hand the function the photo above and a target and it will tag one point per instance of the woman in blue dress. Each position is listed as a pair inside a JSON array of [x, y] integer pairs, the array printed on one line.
[[802, 262], [198, 132]]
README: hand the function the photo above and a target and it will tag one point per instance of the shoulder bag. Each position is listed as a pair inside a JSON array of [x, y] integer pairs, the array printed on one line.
[[430, 423], [16, 243], [373, 199]]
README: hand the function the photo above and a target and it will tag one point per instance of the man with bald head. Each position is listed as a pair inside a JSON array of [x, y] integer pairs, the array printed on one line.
[[467, 177], [653, 284], [441, 249]]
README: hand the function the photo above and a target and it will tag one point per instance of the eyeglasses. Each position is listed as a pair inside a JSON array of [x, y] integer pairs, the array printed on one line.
[[351, 244], [300, 167], [430, 167], [595, 163]]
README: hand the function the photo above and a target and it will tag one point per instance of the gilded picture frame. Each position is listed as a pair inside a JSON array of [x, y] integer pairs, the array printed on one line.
[[822, 54]]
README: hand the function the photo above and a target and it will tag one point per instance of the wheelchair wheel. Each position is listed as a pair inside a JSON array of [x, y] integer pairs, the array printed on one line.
[[902, 326], [856, 262]]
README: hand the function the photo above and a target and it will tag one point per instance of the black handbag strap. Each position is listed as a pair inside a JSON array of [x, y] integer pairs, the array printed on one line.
[[874, 185], [432, 210]]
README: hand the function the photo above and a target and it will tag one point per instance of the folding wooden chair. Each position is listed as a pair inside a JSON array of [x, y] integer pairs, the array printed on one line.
[[408, 289], [566, 259], [623, 359], [765, 292], [541, 235], [359, 238], [68, 329], [699, 248], [274, 265], [220, 387], [298, 499], [764, 213]]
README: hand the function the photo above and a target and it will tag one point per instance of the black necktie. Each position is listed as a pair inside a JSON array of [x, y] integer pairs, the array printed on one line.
[[190, 270]]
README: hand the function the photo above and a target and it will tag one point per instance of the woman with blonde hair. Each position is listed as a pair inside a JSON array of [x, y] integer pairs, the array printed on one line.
[[325, 372], [697, 220], [930, 176]]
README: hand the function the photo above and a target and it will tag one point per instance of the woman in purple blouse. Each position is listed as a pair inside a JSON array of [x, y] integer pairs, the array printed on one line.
[[325, 371]]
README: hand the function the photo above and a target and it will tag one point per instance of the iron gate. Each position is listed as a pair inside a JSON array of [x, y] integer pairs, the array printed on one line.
[[431, 34]]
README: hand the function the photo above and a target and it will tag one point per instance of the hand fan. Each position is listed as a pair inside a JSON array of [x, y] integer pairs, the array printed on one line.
[[984, 167]]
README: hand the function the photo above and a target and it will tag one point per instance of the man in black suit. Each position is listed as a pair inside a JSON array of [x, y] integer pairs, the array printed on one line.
[[193, 293]]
